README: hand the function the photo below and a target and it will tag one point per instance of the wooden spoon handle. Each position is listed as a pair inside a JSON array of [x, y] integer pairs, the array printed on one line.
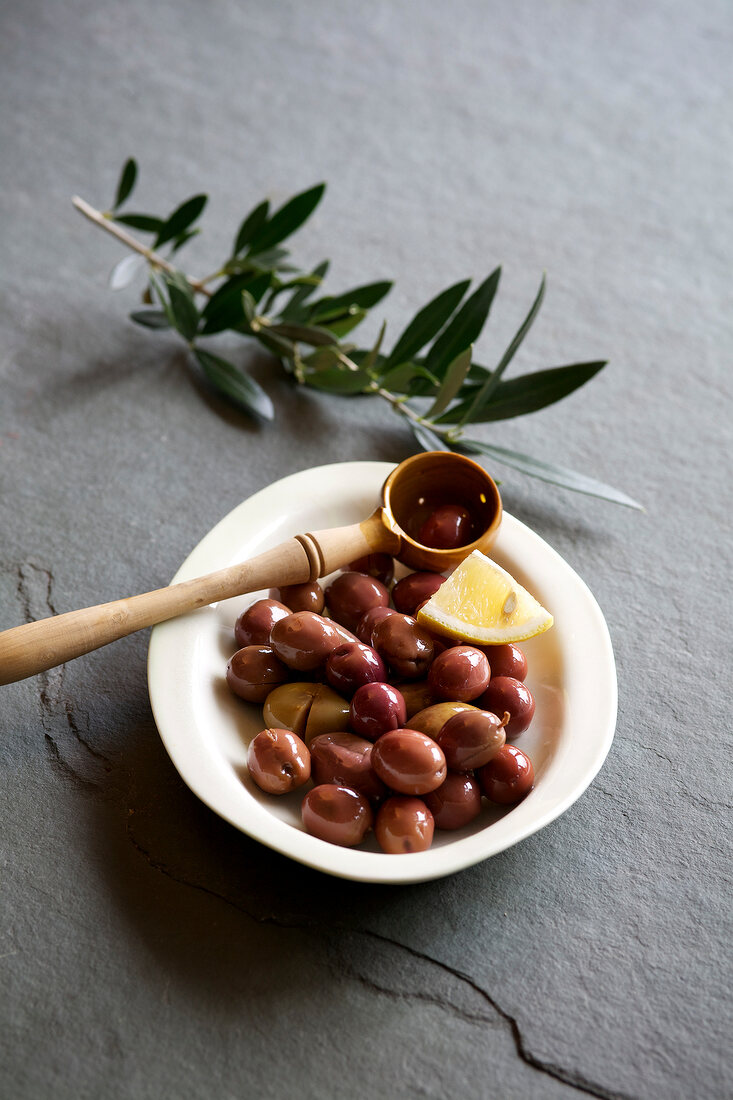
[[34, 647]]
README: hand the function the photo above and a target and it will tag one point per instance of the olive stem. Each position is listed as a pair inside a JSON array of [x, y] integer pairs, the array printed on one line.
[[154, 258], [400, 406]]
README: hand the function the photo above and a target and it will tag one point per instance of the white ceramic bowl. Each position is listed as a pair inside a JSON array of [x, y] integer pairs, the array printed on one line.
[[206, 730]]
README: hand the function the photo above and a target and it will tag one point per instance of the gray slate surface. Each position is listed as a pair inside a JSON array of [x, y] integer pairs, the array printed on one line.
[[148, 950]]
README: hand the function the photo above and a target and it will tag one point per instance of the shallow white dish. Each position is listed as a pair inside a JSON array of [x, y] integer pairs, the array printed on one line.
[[206, 730]]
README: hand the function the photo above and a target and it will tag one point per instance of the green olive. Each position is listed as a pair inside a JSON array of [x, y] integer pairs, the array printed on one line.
[[431, 720], [329, 713], [306, 709], [417, 696]]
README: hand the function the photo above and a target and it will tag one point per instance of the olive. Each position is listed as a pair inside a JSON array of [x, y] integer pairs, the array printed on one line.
[[417, 696], [353, 664], [306, 709], [507, 777], [460, 674], [405, 645], [255, 623], [350, 594], [278, 761], [254, 671], [456, 802], [345, 759], [506, 660], [380, 566], [376, 709], [369, 620], [303, 640], [339, 815], [414, 589], [506, 693], [432, 719], [471, 739], [404, 825], [448, 527], [328, 712], [408, 761], [300, 597]]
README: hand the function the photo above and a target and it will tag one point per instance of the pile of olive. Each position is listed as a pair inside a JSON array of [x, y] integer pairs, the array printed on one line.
[[401, 731]]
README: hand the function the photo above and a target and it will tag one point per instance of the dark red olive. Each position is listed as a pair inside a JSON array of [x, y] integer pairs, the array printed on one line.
[[448, 527], [404, 825], [506, 693], [506, 660], [380, 566], [254, 671], [377, 708], [369, 620], [350, 595], [255, 623], [414, 589], [456, 802], [470, 739], [405, 645], [345, 759], [339, 815], [278, 761], [300, 597], [459, 674], [353, 664], [408, 761], [304, 640], [507, 777]]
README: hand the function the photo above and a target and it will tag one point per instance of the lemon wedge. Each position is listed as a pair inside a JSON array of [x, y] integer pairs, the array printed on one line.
[[480, 602]]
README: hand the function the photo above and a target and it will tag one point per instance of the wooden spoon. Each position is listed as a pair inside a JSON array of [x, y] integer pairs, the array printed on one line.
[[410, 493]]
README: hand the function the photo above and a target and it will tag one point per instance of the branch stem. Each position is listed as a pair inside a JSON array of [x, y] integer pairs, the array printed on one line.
[[133, 243]]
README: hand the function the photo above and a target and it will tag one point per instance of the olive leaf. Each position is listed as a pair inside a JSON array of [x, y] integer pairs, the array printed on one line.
[[233, 384], [126, 182], [287, 219]]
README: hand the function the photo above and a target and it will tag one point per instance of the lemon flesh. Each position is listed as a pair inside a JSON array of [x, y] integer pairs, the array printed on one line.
[[480, 602]]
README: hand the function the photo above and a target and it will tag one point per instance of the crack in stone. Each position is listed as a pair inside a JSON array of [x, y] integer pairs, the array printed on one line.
[[31, 577], [565, 1077]]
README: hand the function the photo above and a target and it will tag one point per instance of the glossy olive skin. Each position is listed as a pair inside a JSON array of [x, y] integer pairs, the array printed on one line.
[[405, 645], [307, 709], [369, 620], [456, 802], [376, 709], [417, 696], [308, 596], [448, 527], [303, 640], [278, 761], [352, 665], [409, 762], [507, 777], [350, 595], [506, 693], [252, 672], [460, 674], [506, 660], [471, 739], [404, 825], [337, 814], [432, 719], [345, 759], [253, 626], [380, 566], [414, 589]]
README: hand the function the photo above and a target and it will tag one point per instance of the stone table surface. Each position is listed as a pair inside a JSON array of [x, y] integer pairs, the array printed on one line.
[[148, 948]]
